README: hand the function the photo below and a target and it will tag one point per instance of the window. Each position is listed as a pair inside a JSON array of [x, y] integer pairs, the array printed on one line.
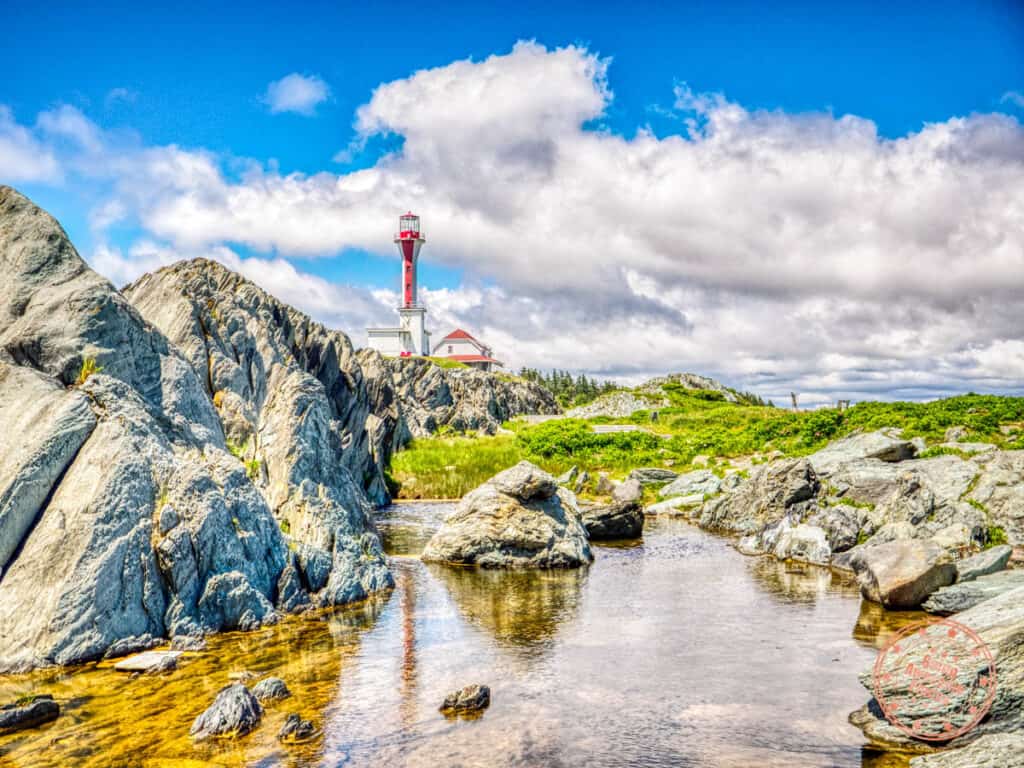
[[449, 349]]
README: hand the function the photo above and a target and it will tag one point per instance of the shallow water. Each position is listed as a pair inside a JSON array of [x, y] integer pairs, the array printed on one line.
[[674, 650]]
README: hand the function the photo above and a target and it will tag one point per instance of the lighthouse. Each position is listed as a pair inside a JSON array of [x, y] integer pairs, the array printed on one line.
[[411, 336]]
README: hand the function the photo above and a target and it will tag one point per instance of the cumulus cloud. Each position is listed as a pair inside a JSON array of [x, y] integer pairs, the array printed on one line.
[[296, 93], [778, 251], [23, 157], [1013, 97]]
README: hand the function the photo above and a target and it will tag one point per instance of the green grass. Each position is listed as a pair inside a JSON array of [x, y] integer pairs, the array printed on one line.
[[445, 362], [694, 423], [995, 537], [87, 369]]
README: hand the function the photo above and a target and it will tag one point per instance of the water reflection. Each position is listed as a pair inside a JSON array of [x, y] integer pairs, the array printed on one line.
[[876, 626], [516, 608], [793, 582]]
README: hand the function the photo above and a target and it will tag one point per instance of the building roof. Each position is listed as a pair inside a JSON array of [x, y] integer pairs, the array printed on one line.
[[458, 333], [474, 359]]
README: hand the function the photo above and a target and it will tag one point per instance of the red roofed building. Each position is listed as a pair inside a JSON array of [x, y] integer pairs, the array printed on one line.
[[459, 345]]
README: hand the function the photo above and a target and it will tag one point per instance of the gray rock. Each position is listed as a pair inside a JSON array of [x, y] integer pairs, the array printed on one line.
[[702, 481], [902, 574], [568, 476], [271, 689], [652, 475], [959, 597], [955, 434], [190, 643], [881, 445], [628, 491], [983, 563], [997, 750], [604, 485], [841, 523], [953, 536], [806, 543], [509, 521], [150, 661], [133, 644], [296, 730], [765, 497], [999, 488], [618, 520], [472, 698], [28, 714], [969, 448], [581, 482], [676, 505], [234, 712], [617, 405], [999, 622]]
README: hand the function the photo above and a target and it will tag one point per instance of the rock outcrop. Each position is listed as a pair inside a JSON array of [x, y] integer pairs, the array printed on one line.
[[962, 596], [125, 516], [461, 399], [518, 518], [999, 622], [28, 714], [472, 698]]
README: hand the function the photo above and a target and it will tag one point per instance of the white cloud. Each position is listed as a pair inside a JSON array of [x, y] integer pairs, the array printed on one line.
[[23, 157], [296, 93], [778, 251], [119, 95], [1013, 97]]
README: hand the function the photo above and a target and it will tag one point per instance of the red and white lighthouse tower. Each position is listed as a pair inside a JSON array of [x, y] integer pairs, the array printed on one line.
[[409, 240], [411, 337]]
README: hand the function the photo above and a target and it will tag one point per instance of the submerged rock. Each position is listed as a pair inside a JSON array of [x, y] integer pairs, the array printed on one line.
[[296, 730], [960, 597], [618, 520], [472, 698], [235, 712], [520, 517], [29, 713], [902, 574], [270, 689]]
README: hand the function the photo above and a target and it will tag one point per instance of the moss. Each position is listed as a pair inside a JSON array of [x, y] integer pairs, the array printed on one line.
[[995, 536], [286, 528], [236, 450], [252, 468], [862, 537], [87, 369]]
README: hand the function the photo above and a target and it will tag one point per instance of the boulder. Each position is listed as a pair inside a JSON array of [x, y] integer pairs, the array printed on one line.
[[955, 434], [902, 574], [188, 643], [765, 497], [961, 596], [984, 563], [652, 475], [472, 698], [628, 491], [520, 517], [841, 523], [806, 543], [296, 730], [953, 536], [675, 505], [999, 489], [618, 520], [28, 713], [271, 689], [702, 481], [999, 623], [604, 484], [882, 445], [234, 712], [582, 481], [150, 661]]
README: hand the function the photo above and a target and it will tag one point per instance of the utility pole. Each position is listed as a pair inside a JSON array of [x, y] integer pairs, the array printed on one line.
[[793, 396]]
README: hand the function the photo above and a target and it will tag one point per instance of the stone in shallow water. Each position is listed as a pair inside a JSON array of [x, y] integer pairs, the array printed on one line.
[[235, 712], [188, 643], [296, 730], [271, 688], [618, 520], [148, 661], [902, 574], [675, 505], [29, 714], [472, 698]]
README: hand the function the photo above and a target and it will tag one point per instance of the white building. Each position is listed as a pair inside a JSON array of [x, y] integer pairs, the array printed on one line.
[[461, 346]]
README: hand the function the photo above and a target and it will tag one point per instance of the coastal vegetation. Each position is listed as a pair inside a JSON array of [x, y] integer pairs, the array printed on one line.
[[696, 424]]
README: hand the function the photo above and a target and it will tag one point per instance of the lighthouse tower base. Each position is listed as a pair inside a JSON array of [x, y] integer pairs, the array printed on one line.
[[410, 337]]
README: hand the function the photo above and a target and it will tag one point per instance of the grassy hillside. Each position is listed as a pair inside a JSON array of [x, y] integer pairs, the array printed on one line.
[[696, 423]]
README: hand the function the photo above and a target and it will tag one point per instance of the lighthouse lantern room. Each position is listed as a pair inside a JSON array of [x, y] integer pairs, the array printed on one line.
[[411, 336]]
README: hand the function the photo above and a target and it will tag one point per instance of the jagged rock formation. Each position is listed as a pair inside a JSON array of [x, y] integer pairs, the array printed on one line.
[[650, 395], [461, 399], [190, 454]]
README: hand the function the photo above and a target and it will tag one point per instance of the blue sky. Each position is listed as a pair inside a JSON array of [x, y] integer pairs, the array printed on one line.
[[196, 78]]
